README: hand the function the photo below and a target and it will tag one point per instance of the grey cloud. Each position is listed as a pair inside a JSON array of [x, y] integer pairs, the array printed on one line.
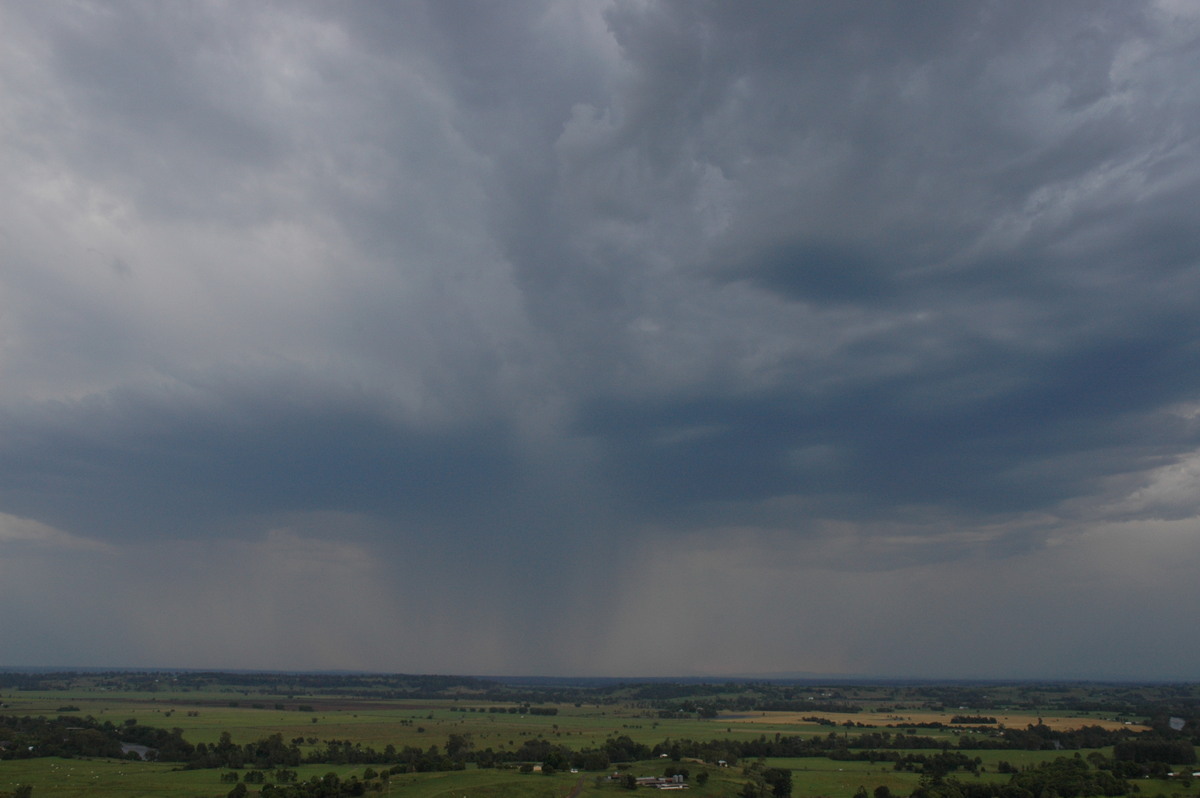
[[153, 464], [157, 103], [555, 283], [821, 273], [989, 428]]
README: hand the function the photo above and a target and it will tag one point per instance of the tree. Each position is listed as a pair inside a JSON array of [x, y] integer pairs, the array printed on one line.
[[458, 745], [780, 782]]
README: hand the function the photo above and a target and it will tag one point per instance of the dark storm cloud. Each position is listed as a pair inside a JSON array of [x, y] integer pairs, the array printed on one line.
[[877, 167], [823, 274], [749, 289], [989, 429], [163, 464], [131, 84]]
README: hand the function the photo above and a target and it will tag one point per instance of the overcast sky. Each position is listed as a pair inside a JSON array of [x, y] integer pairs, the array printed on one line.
[[602, 338]]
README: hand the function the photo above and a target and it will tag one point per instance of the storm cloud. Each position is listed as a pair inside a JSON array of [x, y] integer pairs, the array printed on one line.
[[610, 338]]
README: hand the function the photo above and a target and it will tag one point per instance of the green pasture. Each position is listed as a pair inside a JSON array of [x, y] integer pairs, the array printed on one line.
[[818, 776], [104, 778], [821, 776], [482, 784], [839, 779], [203, 715], [100, 778], [66, 778]]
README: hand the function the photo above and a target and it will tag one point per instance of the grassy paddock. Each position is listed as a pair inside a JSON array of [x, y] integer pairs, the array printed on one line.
[[105, 778], [203, 715]]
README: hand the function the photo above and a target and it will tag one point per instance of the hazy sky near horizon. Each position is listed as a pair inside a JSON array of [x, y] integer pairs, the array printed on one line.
[[602, 338]]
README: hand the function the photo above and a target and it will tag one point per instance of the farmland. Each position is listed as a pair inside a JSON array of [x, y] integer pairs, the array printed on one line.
[[212, 734]]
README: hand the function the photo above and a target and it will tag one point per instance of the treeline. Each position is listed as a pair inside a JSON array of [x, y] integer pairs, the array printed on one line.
[[880, 746], [1133, 755], [69, 737], [1164, 704], [282, 684], [27, 738], [273, 752], [460, 750], [30, 737], [328, 786], [520, 709], [1180, 752], [782, 705], [1065, 777]]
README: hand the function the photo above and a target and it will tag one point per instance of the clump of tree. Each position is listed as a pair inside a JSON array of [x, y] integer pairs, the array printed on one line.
[[1175, 752], [31, 737], [767, 782], [328, 786], [1065, 777], [940, 764]]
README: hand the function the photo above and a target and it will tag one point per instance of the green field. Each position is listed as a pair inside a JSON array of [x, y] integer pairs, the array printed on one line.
[[312, 718]]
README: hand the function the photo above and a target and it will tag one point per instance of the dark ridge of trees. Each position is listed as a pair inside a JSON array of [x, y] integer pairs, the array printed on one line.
[[1039, 737], [328, 786], [938, 765], [30, 737], [1159, 702], [764, 782], [803, 706], [274, 752], [1064, 777], [66, 736], [284, 684], [880, 746], [1141, 751]]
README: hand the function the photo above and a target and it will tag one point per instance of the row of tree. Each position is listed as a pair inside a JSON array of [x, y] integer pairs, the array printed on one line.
[[1065, 777], [875, 745]]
